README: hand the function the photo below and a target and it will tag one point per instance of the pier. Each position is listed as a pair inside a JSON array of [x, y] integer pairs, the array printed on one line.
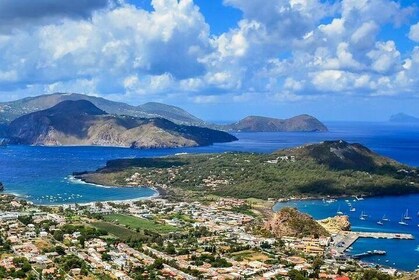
[[345, 239]]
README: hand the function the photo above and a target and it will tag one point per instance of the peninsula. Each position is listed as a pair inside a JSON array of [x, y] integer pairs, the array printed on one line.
[[330, 168]]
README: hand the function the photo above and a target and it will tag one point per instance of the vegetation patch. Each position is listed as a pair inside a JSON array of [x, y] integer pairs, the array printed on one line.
[[141, 224]]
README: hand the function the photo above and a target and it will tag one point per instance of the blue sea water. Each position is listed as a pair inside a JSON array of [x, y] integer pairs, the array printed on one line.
[[38, 172]]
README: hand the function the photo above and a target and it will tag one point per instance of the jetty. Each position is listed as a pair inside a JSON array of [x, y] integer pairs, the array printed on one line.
[[345, 239]]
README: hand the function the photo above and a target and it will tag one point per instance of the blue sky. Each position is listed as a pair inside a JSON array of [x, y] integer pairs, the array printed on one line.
[[219, 59]]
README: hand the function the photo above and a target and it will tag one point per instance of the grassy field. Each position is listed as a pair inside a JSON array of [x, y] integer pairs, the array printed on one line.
[[119, 231], [250, 255], [138, 223]]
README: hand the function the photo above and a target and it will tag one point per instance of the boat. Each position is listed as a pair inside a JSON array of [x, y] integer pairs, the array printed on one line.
[[352, 209], [403, 223], [380, 223], [406, 215], [363, 217], [385, 219], [339, 212]]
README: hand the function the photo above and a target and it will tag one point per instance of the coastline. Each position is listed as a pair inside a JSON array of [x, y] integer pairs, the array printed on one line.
[[156, 195], [162, 193]]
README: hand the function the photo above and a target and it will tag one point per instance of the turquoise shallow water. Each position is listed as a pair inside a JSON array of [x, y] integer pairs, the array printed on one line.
[[38, 172], [403, 254]]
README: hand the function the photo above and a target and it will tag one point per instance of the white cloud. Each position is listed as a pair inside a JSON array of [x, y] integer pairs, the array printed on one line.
[[414, 33], [282, 50], [385, 57]]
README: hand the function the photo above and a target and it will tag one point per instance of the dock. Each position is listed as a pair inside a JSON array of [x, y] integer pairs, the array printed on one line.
[[345, 239]]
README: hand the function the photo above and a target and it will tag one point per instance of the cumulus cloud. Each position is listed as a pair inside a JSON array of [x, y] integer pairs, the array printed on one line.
[[414, 32], [282, 50]]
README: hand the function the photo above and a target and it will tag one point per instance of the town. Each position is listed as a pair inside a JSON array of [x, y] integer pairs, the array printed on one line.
[[158, 239]]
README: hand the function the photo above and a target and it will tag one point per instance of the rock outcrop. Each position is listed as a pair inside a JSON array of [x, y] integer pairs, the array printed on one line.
[[291, 222], [336, 224]]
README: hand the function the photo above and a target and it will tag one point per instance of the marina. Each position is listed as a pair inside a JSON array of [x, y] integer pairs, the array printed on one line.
[[345, 239]]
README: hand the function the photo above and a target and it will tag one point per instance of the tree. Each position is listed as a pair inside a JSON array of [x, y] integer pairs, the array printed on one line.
[[58, 235], [60, 250], [106, 257], [296, 275], [158, 264]]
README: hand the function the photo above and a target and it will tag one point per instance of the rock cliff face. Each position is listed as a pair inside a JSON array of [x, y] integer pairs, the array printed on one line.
[[336, 224], [291, 222], [80, 123], [302, 123]]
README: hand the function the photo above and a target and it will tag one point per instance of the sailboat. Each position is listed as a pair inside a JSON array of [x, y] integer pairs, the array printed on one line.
[[363, 216], [385, 219], [403, 223], [406, 215], [380, 223], [352, 209], [339, 212]]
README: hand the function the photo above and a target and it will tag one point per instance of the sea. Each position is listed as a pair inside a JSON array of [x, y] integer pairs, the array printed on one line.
[[43, 175]]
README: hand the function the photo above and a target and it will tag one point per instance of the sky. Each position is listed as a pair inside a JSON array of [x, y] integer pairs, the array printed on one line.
[[355, 60]]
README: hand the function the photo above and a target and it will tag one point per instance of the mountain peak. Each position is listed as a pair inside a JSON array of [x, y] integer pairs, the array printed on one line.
[[339, 154], [76, 107]]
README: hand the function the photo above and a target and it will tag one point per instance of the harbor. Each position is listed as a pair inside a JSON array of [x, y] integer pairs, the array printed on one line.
[[344, 240]]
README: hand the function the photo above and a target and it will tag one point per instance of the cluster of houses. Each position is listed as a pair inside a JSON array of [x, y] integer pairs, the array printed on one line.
[[227, 228]]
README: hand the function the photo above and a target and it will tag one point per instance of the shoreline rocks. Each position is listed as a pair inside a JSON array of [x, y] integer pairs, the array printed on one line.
[[336, 224]]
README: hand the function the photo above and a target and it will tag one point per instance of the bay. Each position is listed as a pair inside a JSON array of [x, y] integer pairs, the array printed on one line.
[[42, 175]]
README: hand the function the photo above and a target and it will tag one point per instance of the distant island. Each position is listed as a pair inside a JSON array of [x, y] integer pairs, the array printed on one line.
[[403, 118], [330, 168], [78, 123], [302, 123], [10, 111]]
